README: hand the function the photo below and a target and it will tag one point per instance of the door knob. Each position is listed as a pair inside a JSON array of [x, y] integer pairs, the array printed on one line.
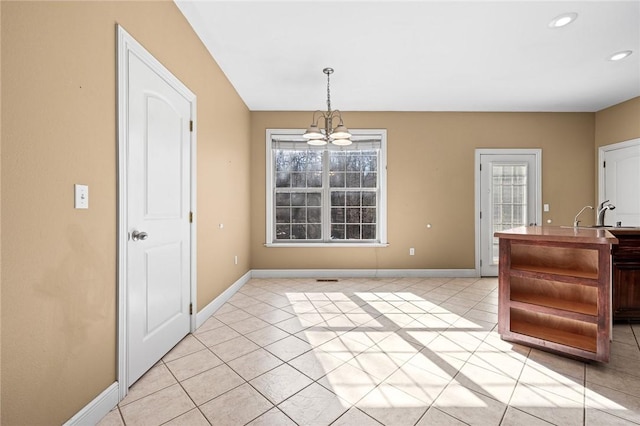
[[139, 236]]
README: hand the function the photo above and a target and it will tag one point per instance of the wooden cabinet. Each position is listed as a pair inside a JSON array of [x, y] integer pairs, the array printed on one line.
[[554, 289], [626, 276]]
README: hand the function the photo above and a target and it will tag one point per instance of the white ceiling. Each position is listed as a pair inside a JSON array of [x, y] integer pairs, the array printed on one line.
[[423, 55]]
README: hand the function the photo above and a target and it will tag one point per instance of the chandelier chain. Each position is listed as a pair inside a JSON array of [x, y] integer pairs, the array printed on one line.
[[328, 93]]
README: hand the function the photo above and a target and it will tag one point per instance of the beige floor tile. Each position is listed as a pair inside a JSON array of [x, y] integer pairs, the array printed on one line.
[[195, 363], [190, 418], [255, 363], [433, 363], [232, 316], [260, 308], [210, 324], [558, 364], [158, 407], [390, 406], [378, 364], [505, 363], [452, 332], [547, 406], [243, 301], [187, 346], [486, 382], [211, 383], [433, 416], [236, 407], [267, 335], [314, 406], [156, 378], [273, 417], [217, 335], [419, 383], [248, 325], [602, 375], [234, 348], [339, 322], [355, 417], [275, 316], [515, 417], [599, 418], [349, 383], [469, 406], [292, 325], [317, 336], [398, 347], [112, 419], [613, 402], [280, 383], [556, 384], [288, 348], [315, 364]]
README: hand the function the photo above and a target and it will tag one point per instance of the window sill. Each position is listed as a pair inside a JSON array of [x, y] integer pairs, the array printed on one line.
[[352, 245]]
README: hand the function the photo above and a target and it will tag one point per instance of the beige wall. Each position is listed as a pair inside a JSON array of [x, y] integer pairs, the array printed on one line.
[[59, 128], [431, 180], [618, 123]]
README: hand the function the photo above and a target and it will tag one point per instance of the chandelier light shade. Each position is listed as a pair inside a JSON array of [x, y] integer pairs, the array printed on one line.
[[339, 135]]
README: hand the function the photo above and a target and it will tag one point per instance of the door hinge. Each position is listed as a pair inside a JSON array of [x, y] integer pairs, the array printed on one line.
[[604, 164], [480, 215], [190, 217], [480, 166], [480, 262], [191, 125], [190, 308]]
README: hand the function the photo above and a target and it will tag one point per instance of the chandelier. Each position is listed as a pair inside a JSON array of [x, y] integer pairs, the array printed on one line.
[[339, 135]]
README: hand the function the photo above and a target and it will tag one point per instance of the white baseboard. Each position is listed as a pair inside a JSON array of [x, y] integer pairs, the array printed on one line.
[[207, 311], [364, 273], [94, 411]]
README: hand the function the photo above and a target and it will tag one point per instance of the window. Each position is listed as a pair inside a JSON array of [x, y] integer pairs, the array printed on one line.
[[327, 194]]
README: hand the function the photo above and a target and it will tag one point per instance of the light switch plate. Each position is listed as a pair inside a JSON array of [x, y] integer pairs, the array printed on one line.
[[81, 196], [546, 207]]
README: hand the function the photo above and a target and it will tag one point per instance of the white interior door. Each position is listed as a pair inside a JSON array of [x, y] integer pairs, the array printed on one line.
[[621, 171], [158, 187], [509, 197]]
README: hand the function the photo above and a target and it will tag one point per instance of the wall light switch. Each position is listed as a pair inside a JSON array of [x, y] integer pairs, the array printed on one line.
[[81, 197], [546, 207], [412, 251]]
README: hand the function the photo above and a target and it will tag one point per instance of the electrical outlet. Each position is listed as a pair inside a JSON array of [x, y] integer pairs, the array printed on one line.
[[412, 251]]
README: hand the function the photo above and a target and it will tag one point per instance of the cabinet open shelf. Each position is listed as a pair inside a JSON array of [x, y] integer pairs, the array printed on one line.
[[568, 306], [560, 274], [554, 290]]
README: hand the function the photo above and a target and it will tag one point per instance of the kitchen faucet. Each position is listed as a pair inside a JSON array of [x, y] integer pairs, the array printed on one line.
[[602, 209], [576, 222]]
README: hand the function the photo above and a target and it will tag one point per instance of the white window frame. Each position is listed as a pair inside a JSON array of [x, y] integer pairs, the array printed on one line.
[[382, 202]]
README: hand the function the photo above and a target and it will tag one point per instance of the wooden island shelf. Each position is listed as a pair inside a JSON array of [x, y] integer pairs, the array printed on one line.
[[555, 289]]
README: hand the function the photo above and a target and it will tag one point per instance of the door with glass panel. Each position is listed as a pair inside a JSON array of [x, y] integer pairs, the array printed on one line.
[[508, 199]]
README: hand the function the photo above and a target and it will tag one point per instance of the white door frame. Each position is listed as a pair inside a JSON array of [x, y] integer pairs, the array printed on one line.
[[127, 44], [537, 152], [601, 153]]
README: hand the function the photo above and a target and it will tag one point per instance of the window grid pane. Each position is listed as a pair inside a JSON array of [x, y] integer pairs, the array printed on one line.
[[509, 199], [351, 179]]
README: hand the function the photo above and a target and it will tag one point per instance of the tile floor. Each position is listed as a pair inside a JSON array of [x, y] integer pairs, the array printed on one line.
[[376, 351]]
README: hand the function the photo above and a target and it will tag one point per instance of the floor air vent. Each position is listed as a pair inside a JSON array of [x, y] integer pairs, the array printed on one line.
[[327, 280]]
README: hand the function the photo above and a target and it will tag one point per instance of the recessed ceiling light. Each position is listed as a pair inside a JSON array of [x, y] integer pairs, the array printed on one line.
[[563, 20], [620, 55]]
